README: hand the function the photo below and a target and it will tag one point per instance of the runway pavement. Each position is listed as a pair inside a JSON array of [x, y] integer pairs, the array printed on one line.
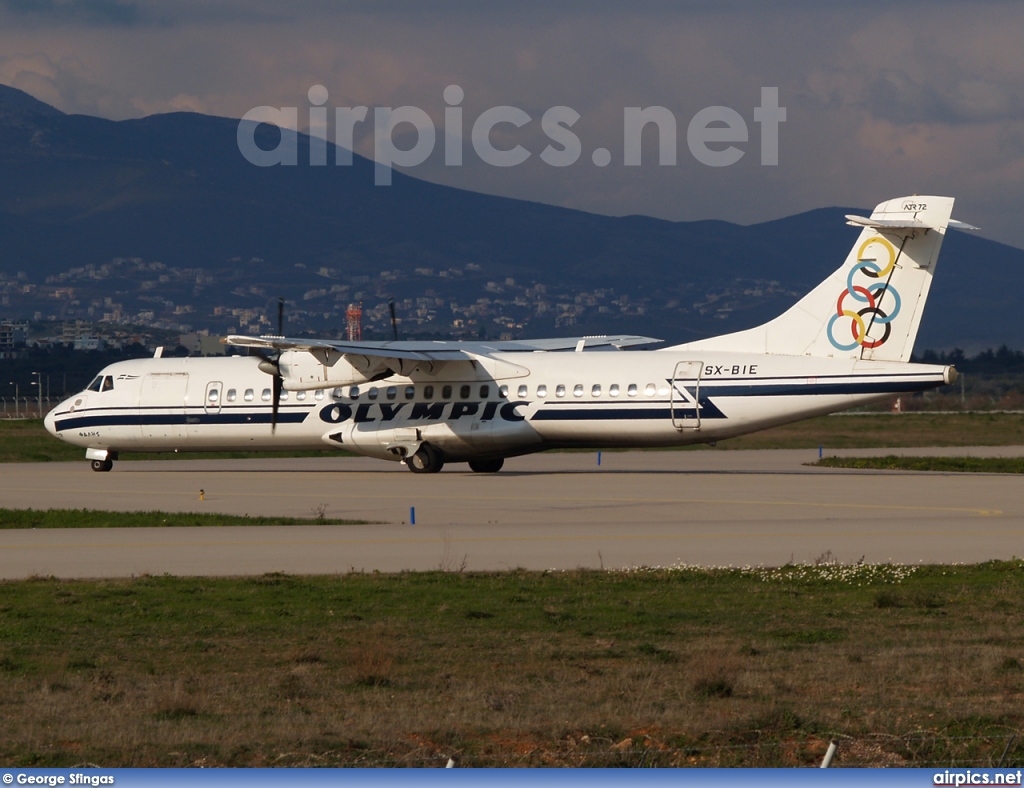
[[550, 511]]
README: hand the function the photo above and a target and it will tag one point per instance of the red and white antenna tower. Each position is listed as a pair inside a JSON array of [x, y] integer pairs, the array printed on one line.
[[354, 315]]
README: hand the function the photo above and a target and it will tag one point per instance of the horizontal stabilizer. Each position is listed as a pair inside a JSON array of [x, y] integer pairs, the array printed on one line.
[[887, 224], [903, 224]]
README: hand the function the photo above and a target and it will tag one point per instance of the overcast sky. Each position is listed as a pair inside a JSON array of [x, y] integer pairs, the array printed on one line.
[[883, 99]]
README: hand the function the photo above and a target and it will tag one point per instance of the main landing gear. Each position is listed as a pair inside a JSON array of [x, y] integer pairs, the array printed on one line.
[[102, 466], [429, 459], [426, 460], [486, 466]]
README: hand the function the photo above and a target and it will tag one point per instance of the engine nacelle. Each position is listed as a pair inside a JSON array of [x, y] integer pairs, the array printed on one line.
[[303, 370]]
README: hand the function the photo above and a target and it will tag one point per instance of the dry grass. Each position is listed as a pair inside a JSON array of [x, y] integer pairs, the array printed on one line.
[[588, 668], [867, 430]]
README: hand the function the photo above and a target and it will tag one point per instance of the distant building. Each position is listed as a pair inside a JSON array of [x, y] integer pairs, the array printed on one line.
[[71, 332], [11, 336], [89, 343]]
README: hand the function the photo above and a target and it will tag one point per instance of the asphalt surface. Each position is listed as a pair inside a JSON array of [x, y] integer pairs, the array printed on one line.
[[551, 511]]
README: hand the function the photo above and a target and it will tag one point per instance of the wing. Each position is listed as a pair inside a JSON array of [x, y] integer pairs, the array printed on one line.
[[440, 350]]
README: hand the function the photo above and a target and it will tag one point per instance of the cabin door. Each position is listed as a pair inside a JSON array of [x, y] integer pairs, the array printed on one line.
[[214, 395], [684, 395]]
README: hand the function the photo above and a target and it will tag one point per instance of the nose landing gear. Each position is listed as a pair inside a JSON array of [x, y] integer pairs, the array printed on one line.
[[102, 459]]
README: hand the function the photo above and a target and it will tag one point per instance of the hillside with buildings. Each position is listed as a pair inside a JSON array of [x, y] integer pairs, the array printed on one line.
[[160, 224]]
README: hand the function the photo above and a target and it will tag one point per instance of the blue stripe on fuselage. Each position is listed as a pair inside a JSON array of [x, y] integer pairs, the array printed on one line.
[[817, 389], [708, 408], [182, 419]]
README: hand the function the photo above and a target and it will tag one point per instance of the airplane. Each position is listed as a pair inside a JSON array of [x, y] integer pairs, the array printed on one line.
[[430, 403]]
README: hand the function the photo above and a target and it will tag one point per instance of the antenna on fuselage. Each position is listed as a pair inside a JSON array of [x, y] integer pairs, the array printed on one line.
[[394, 320]]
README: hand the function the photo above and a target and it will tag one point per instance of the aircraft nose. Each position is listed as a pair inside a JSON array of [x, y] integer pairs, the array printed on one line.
[[50, 423]]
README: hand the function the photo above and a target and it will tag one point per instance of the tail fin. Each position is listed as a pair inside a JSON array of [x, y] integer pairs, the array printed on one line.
[[871, 307]]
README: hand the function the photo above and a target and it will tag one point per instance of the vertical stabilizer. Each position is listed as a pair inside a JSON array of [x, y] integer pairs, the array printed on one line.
[[871, 306]]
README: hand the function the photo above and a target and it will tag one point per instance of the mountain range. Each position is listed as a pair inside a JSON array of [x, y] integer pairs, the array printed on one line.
[[79, 191]]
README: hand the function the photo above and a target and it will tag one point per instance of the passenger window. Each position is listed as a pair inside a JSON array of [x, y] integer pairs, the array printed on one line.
[[560, 390], [595, 390], [577, 390], [485, 392], [650, 389], [265, 395], [318, 394], [249, 395], [613, 390], [232, 395], [410, 392], [542, 390], [663, 391], [503, 392], [284, 396], [372, 393], [631, 391], [213, 396], [300, 396], [392, 392], [522, 392], [446, 392], [96, 383], [464, 392], [428, 392], [353, 392], [108, 383]]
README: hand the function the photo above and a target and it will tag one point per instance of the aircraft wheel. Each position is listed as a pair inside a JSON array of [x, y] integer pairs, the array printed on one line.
[[102, 466], [426, 460], [486, 466]]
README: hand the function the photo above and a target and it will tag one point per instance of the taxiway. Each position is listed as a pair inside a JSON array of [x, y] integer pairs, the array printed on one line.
[[550, 511]]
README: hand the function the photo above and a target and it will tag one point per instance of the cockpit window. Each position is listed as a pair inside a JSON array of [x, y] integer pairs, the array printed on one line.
[[108, 383], [96, 383]]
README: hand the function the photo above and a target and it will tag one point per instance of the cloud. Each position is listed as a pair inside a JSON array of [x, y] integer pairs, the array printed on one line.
[[67, 83], [884, 98], [76, 12]]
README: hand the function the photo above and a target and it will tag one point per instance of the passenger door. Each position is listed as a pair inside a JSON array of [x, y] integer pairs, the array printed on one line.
[[684, 396], [213, 397]]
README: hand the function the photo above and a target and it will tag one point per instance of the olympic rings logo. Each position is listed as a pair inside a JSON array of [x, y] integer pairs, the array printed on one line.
[[869, 294]]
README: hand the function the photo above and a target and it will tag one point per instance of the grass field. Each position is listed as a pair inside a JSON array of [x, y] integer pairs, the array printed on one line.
[[91, 518], [865, 431], [947, 464], [28, 441], [685, 667], [682, 667]]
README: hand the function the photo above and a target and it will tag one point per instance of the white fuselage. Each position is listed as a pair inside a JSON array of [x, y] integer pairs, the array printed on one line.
[[513, 403], [844, 344]]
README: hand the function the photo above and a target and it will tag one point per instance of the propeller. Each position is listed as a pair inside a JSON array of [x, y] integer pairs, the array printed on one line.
[[271, 366], [278, 384]]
